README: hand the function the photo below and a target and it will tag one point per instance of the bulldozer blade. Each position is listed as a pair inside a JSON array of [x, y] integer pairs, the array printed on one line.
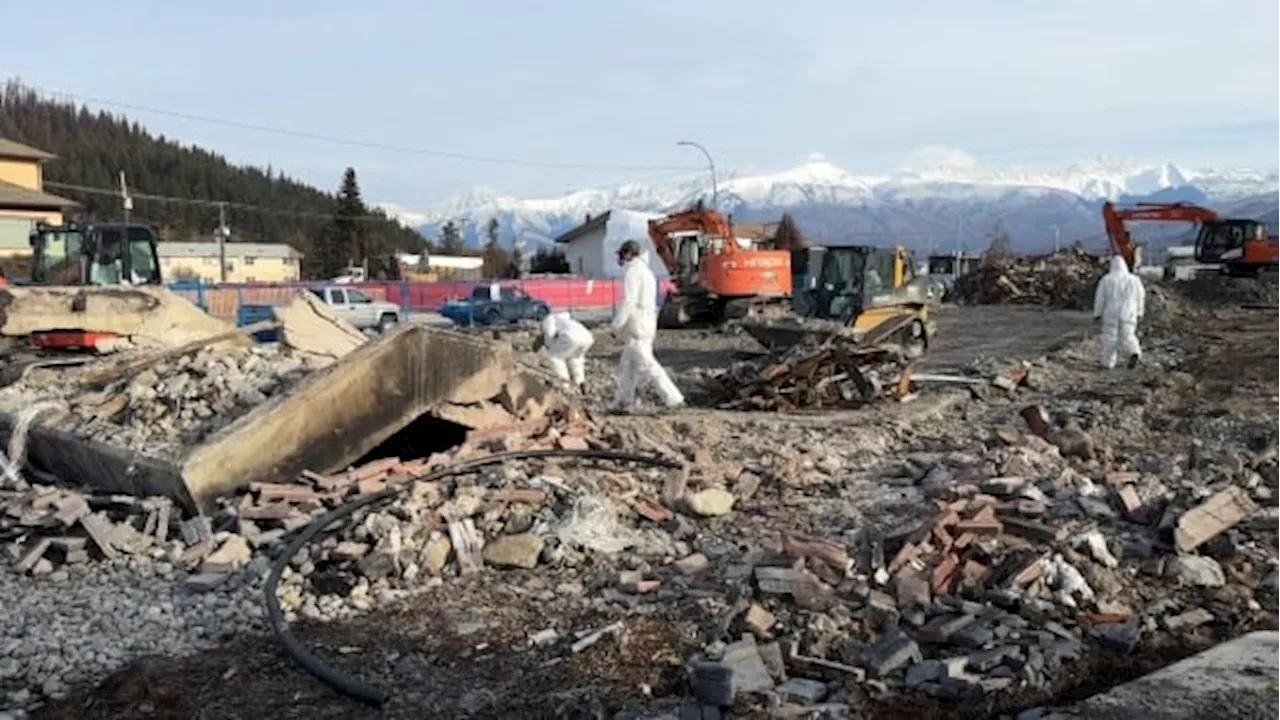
[[782, 335]]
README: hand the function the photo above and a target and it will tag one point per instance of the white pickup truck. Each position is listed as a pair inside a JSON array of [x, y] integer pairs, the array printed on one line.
[[357, 308]]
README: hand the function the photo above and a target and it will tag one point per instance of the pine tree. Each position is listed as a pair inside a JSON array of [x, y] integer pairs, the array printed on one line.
[[450, 239], [550, 262], [350, 213], [491, 231], [788, 236]]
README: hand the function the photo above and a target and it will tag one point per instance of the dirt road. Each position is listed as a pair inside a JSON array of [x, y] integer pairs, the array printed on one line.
[[968, 333]]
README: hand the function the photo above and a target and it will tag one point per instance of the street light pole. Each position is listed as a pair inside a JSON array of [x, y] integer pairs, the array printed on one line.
[[715, 195], [1056, 245]]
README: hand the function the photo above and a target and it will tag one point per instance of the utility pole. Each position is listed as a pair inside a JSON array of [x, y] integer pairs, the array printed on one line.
[[715, 195], [1056, 245], [127, 201], [223, 232]]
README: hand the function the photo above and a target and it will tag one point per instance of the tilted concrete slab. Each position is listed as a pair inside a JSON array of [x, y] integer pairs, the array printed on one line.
[[1236, 679], [332, 418]]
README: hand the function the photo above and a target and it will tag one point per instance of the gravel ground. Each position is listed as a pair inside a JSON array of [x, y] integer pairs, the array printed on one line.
[[81, 622], [461, 649]]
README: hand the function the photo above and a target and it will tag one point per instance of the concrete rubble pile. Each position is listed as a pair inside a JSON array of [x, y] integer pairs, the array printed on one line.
[[156, 409], [1065, 279], [46, 526], [198, 576], [831, 375], [1026, 564]]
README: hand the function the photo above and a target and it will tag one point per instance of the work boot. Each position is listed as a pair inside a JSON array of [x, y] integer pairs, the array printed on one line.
[[1133, 361]]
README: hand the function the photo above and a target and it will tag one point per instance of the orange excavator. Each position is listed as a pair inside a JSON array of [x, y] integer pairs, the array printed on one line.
[[715, 277], [1115, 218], [1241, 246]]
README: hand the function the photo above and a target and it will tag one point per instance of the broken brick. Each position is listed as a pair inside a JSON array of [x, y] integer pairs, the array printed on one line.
[[940, 579], [973, 573], [1034, 531], [979, 527], [1131, 502], [1205, 521], [650, 510], [759, 620], [268, 492], [1037, 420], [572, 443]]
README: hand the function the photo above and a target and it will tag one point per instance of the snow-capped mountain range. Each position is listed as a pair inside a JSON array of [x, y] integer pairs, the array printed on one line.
[[941, 201]]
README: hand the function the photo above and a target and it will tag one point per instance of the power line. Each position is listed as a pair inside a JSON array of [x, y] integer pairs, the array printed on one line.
[[115, 192], [333, 139]]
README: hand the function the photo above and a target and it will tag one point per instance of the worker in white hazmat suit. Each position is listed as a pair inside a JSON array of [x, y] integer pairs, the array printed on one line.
[[636, 322], [566, 342], [1119, 303]]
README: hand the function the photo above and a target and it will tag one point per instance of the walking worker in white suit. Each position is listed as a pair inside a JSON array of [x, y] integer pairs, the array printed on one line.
[[636, 322], [566, 342], [1119, 302]]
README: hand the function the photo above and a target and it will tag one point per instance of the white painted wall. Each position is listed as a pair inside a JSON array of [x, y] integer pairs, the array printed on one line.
[[595, 254]]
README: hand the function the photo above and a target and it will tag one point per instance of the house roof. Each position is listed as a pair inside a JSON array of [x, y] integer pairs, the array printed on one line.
[[596, 223], [11, 149], [233, 249], [16, 197]]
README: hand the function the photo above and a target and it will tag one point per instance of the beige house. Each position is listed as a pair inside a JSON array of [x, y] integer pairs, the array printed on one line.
[[23, 201], [246, 262]]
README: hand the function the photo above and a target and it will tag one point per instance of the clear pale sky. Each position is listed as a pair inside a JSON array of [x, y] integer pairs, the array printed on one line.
[[762, 83]]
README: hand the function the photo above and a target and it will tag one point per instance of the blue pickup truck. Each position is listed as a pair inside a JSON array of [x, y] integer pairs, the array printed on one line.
[[511, 305]]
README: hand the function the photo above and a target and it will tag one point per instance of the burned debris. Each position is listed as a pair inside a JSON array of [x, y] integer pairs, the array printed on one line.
[[970, 556], [833, 375], [1064, 279]]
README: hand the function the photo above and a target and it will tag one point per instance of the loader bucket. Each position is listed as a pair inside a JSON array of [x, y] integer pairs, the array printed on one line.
[[332, 418], [148, 315]]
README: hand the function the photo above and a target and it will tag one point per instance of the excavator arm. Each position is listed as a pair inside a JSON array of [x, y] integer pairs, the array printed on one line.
[[1115, 218]]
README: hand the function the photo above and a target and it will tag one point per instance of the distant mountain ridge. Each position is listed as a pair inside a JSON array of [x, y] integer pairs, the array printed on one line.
[[942, 202]]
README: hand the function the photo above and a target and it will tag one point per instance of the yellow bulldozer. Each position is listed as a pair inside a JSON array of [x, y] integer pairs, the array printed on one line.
[[861, 292]]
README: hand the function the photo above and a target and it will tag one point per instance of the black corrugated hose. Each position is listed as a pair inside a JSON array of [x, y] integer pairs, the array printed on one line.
[[342, 682]]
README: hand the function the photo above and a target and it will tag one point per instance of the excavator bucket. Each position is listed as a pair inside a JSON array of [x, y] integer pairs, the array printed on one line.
[[333, 417]]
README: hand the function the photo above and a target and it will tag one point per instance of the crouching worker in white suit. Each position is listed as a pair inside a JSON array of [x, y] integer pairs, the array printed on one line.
[[636, 322], [566, 342], [1119, 302]]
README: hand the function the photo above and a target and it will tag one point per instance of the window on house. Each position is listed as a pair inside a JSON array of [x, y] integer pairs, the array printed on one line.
[[249, 259], [250, 278]]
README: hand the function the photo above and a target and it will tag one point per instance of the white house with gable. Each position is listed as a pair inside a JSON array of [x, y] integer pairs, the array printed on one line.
[[592, 247]]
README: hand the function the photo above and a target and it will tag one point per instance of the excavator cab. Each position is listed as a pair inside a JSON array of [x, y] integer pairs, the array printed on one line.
[[688, 259], [108, 254], [1242, 246]]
